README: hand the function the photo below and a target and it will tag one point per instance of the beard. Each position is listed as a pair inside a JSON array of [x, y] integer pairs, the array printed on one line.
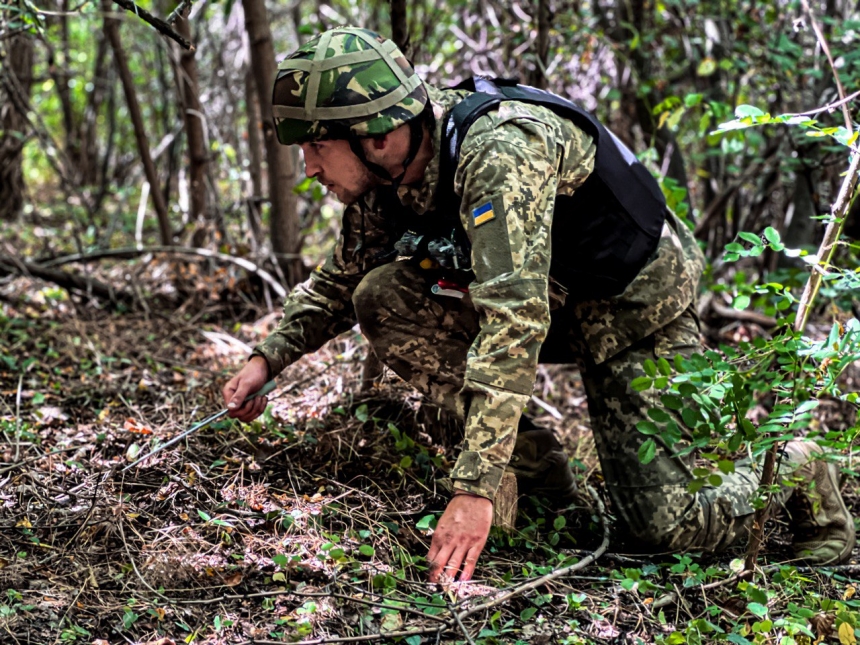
[[363, 182]]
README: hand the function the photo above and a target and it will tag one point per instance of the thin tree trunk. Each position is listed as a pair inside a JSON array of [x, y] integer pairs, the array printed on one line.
[[89, 135], [284, 217], [541, 45], [255, 152], [399, 26], [112, 32], [17, 66], [193, 114]]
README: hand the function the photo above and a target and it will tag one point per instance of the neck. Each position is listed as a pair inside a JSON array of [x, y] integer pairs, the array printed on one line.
[[416, 169]]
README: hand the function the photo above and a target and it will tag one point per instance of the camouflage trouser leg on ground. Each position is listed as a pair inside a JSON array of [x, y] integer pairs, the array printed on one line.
[[425, 340], [652, 499]]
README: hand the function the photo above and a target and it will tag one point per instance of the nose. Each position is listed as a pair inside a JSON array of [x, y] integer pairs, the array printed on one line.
[[312, 166]]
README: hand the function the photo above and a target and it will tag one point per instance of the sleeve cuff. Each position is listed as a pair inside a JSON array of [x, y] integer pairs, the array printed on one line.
[[274, 362], [474, 475]]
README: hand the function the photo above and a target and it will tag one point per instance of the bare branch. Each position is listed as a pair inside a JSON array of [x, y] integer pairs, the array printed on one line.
[[160, 25]]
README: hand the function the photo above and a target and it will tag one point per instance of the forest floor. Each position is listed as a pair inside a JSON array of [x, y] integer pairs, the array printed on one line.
[[311, 524]]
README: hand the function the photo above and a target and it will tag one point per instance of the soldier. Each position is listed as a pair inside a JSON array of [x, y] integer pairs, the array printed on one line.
[[483, 232]]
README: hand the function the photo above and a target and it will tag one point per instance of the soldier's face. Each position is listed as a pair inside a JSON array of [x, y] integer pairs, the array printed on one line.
[[336, 167]]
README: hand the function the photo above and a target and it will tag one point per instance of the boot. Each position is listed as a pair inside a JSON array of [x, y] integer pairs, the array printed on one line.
[[541, 464], [822, 526]]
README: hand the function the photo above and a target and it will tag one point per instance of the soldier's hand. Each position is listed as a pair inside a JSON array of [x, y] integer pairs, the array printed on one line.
[[249, 379], [460, 536]]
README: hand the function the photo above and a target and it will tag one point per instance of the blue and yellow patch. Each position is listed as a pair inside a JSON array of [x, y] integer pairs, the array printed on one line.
[[483, 214]]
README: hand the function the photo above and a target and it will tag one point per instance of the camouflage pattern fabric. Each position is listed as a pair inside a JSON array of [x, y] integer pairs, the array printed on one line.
[[513, 163], [426, 340], [345, 81]]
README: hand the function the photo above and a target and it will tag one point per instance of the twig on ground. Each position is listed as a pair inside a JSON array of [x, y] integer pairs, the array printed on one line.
[[24, 462]]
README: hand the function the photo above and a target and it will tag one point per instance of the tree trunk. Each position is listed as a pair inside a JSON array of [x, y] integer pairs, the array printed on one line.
[[193, 114], [255, 152], [112, 32], [541, 45], [399, 26], [284, 216], [89, 128], [16, 70]]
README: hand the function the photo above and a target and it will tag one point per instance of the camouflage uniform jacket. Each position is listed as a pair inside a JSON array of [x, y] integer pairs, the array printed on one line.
[[513, 163]]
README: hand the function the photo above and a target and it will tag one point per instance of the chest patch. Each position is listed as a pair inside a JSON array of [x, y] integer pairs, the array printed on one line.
[[483, 214]]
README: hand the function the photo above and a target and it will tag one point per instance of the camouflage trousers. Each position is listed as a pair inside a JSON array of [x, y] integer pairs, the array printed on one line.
[[425, 339]]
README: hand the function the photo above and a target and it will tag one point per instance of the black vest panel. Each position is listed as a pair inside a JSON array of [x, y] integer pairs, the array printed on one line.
[[604, 233]]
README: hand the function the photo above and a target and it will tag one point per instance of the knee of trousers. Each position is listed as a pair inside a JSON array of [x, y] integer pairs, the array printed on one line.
[[379, 300]]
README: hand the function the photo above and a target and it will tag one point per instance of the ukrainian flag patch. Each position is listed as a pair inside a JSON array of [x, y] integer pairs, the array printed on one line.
[[483, 214]]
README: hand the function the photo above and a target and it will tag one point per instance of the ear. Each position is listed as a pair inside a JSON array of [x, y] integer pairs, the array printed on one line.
[[380, 143]]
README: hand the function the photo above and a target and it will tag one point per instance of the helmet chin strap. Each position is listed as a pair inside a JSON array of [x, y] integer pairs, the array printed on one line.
[[416, 138]]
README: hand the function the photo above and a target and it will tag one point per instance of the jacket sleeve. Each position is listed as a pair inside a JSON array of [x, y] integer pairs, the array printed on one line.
[[320, 308], [509, 177]]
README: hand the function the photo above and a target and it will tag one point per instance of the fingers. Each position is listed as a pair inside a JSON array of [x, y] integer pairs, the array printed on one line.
[[250, 410], [469, 564], [448, 559], [235, 393]]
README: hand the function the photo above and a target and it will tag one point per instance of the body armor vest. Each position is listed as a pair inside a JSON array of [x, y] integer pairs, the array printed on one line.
[[604, 233]]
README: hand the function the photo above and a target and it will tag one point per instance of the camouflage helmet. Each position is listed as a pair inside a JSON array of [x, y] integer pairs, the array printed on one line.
[[344, 83]]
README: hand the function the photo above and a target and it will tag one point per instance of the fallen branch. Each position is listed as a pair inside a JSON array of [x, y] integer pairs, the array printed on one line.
[[133, 252], [160, 25], [743, 315], [69, 281]]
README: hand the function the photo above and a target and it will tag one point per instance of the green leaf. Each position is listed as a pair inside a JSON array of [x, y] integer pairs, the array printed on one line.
[[664, 367], [752, 238], [650, 367], [758, 609], [361, 413], [641, 383], [690, 417], [647, 428], [426, 522], [658, 415], [406, 462], [772, 235], [413, 640], [744, 111], [737, 639], [647, 451], [715, 480], [527, 613], [734, 247], [741, 302], [559, 523], [671, 401], [203, 516], [706, 67], [366, 549], [726, 466]]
